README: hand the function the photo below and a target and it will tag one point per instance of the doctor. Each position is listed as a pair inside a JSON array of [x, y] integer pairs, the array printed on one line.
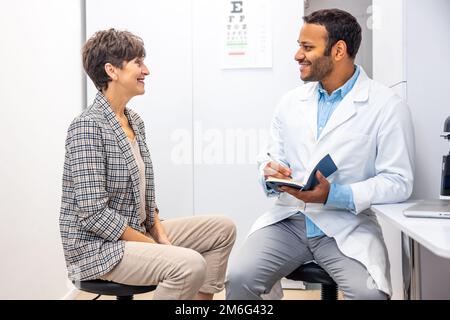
[[367, 130]]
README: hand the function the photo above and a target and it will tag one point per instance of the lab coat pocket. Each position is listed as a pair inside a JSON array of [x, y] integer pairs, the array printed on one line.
[[354, 156]]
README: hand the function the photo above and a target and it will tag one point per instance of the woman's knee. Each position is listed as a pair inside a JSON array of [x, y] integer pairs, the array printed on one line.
[[222, 229], [196, 267], [191, 269], [227, 228]]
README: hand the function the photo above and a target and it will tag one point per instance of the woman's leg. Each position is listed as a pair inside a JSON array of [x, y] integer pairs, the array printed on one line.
[[178, 272], [211, 236]]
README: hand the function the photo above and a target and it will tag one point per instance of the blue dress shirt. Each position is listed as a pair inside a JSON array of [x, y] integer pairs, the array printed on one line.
[[340, 196]]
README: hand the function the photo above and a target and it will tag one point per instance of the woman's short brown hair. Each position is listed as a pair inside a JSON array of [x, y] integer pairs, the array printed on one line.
[[109, 46]]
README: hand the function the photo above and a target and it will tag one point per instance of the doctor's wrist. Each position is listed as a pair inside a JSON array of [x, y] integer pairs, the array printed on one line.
[[327, 195]]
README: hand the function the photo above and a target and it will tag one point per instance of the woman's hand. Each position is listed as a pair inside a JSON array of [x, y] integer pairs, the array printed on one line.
[[132, 235], [158, 233], [163, 239]]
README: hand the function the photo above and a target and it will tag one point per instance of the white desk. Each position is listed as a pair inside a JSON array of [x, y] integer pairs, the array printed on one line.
[[433, 234]]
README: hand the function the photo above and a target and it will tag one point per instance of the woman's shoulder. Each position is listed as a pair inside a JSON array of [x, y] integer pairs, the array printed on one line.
[[90, 119]]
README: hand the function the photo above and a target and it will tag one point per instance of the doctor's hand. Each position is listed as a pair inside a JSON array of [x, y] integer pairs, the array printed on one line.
[[276, 170], [317, 195]]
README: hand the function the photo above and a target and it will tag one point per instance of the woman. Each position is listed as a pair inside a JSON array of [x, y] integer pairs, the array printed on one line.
[[109, 222]]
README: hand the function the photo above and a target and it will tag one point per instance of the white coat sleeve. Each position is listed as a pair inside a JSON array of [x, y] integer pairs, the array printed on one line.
[[394, 164]]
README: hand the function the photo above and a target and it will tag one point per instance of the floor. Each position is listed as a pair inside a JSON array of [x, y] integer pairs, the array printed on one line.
[[288, 295]]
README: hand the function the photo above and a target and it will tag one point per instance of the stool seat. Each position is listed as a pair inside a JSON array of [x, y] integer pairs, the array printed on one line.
[[313, 273], [109, 288]]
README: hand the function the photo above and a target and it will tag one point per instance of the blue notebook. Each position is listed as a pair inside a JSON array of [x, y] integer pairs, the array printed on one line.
[[326, 166]]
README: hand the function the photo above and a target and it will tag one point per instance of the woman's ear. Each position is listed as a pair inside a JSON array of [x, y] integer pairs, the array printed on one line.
[[111, 71]]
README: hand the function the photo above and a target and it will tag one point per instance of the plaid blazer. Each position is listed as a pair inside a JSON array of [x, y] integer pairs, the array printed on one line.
[[101, 190]]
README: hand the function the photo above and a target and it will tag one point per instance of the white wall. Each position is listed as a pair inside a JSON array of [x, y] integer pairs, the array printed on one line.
[[428, 43], [389, 69], [40, 93], [235, 108], [428, 47], [411, 44], [389, 44]]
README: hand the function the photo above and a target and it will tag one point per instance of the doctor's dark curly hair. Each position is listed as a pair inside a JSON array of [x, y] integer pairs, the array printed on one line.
[[109, 46], [340, 25]]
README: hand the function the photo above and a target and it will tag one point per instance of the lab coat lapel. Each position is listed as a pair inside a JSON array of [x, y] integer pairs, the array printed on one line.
[[308, 100], [347, 108], [344, 111]]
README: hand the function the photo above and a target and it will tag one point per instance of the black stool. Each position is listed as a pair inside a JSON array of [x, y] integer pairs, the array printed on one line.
[[108, 288], [313, 273]]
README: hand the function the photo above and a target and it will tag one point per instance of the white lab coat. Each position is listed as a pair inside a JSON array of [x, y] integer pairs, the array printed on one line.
[[370, 138]]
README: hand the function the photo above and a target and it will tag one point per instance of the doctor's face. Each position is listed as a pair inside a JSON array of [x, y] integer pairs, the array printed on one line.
[[314, 64]]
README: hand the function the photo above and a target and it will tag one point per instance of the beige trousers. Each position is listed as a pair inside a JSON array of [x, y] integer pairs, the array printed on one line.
[[195, 262]]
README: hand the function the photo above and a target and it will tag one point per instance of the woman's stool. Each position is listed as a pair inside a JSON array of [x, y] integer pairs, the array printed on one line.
[[108, 288], [313, 273]]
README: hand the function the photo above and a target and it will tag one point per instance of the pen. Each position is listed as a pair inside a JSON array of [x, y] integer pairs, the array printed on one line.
[[274, 160], [271, 158]]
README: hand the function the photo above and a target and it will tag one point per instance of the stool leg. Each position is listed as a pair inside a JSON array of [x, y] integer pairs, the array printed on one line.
[[124, 297], [329, 292]]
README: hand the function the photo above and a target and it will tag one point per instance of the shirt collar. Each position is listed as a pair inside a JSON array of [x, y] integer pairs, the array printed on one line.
[[346, 88]]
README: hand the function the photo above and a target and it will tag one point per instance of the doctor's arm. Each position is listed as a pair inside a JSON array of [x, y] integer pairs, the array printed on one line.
[[393, 181], [394, 164], [333, 195]]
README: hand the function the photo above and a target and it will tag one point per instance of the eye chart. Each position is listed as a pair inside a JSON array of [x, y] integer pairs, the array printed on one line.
[[247, 34]]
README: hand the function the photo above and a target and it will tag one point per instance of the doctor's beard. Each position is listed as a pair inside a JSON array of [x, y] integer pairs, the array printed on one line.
[[320, 68]]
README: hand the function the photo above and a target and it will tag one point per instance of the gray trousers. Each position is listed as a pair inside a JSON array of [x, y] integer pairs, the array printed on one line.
[[273, 252]]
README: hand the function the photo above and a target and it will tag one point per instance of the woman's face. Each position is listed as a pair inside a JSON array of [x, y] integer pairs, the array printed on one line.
[[132, 76]]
